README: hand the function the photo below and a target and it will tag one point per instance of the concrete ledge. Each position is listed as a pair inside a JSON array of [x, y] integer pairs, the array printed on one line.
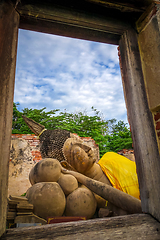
[[136, 226]]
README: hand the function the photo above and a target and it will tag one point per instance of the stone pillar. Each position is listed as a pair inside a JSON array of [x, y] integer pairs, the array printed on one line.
[[149, 44], [9, 21]]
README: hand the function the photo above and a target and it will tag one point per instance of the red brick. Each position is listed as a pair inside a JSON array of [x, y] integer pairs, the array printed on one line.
[[37, 158], [158, 126], [37, 151], [157, 116], [34, 143], [87, 138]]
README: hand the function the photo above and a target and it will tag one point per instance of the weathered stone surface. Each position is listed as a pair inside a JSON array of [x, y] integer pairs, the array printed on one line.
[[47, 198], [91, 143], [20, 165], [128, 153], [149, 40], [20, 151], [46, 170], [81, 202], [104, 213], [68, 183], [9, 23], [130, 156], [29, 219], [135, 227]]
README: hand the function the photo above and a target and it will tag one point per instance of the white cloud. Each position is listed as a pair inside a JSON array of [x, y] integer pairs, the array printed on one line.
[[63, 73]]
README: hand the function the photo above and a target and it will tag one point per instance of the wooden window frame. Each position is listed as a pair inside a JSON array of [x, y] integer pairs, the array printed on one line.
[[77, 23]]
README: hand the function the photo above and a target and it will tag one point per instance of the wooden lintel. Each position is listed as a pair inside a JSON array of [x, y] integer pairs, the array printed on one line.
[[66, 30], [73, 18], [142, 127], [122, 6], [67, 22]]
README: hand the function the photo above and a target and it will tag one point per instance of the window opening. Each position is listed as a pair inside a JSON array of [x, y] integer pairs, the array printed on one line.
[[68, 74]]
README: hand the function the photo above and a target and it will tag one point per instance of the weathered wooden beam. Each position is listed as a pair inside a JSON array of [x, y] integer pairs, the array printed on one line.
[[9, 20], [70, 22], [146, 17], [124, 6], [66, 30], [142, 127], [73, 17], [137, 226]]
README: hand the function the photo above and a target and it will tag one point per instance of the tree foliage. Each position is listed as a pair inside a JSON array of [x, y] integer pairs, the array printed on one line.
[[120, 136], [110, 135]]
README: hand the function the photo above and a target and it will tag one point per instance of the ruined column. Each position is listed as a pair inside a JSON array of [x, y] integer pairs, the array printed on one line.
[[148, 27], [9, 21], [141, 121]]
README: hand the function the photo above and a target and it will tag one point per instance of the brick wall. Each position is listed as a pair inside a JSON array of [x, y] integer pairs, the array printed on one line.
[[128, 153], [34, 144], [157, 123]]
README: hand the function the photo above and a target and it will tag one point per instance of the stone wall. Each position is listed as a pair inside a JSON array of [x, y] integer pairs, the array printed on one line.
[[33, 142], [128, 153], [157, 125], [21, 162]]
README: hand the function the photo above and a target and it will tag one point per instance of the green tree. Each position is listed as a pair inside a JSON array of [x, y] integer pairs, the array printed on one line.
[[120, 137], [16, 119], [110, 135], [38, 115]]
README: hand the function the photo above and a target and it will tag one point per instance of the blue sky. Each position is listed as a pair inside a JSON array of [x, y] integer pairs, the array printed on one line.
[[65, 73]]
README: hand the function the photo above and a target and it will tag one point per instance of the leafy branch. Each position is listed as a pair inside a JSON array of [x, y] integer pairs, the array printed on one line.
[[110, 135]]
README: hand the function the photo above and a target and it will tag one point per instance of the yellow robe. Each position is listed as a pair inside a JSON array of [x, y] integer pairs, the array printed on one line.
[[121, 172]]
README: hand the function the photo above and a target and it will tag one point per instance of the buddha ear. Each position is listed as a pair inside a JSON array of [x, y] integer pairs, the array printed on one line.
[[85, 147], [35, 127]]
